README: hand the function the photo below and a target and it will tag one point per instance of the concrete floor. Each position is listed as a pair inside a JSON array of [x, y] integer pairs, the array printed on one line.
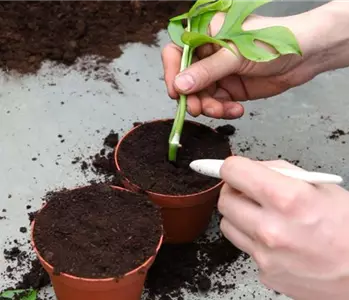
[[294, 125]]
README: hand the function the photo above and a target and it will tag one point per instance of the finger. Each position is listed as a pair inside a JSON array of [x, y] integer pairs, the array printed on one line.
[[194, 105], [203, 73], [171, 60], [243, 88], [279, 164], [231, 204], [210, 106], [261, 184], [231, 109], [236, 237], [204, 51]]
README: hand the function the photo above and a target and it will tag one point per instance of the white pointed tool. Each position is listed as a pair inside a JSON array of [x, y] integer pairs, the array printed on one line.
[[211, 167]]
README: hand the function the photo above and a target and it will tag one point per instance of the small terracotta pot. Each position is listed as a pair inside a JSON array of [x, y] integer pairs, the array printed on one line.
[[68, 287], [185, 217]]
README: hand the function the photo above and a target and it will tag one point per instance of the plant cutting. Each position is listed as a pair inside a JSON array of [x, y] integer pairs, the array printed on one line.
[[97, 242], [186, 198], [154, 157], [195, 34]]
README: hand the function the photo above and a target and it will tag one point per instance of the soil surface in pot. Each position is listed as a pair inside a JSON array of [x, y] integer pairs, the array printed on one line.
[[142, 157], [97, 231], [32, 31]]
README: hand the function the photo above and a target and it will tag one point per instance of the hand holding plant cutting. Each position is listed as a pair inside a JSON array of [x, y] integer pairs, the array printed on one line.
[[220, 78], [279, 38]]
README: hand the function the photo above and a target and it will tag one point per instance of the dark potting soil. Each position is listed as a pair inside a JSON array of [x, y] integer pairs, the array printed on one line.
[[336, 134], [102, 163], [96, 231], [35, 278], [190, 266], [143, 157], [32, 31], [226, 129]]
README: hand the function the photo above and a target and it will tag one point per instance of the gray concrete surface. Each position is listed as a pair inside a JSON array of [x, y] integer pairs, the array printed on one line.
[[294, 125]]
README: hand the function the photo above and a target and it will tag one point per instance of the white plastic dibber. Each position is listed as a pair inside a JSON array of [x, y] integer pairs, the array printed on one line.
[[211, 167]]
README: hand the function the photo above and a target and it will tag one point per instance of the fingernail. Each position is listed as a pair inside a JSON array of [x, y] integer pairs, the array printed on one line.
[[210, 111], [184, 82], [235, 112]]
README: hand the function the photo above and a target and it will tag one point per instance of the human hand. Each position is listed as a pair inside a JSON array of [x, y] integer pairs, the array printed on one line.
[[219, 79], [296, 232]]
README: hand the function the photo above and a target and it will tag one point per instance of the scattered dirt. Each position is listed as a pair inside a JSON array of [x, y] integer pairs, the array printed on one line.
[[36, 277], [143, 157], [32, 31], [102, 163], [112, 139], [226, 129], [65, 231], [191, 266], [336, 134]]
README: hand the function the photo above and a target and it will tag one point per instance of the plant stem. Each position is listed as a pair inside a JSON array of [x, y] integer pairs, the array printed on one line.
[[178, 123]]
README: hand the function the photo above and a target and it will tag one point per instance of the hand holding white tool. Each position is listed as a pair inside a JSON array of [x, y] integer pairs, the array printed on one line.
[[211, 167]]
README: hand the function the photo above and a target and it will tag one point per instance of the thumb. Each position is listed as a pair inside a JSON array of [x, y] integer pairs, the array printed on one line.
[[205, 72]]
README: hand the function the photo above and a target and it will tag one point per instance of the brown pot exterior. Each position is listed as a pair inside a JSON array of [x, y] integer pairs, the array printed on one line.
[[185, 217], [68, 287]]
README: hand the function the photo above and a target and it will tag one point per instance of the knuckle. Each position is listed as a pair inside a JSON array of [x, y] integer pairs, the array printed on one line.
[[165, 50], [270, 234], [222, 200], [205, 74], [286, 201]]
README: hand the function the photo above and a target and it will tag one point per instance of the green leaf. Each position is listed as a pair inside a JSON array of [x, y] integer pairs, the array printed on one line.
[[205, 21], [195, 24], [200, 23], [24, 294], [180, 17], [194, 39], [248, 49], [237, 14], [281, 38], [175, 30], [204, 6]]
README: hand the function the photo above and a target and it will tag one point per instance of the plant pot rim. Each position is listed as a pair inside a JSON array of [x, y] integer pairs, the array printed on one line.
[[154, 193], [139, 268]]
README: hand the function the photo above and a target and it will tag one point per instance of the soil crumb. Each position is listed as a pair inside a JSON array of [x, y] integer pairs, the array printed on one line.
[[143, 157], [226, 129], [97, 231], [62, 31], [336, 134]]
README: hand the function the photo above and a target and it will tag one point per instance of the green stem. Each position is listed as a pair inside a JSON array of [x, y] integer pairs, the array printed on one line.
[[177, 127]]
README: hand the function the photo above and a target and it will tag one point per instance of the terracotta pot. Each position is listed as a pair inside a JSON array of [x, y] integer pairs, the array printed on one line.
[[68, 287], [185, 217]]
